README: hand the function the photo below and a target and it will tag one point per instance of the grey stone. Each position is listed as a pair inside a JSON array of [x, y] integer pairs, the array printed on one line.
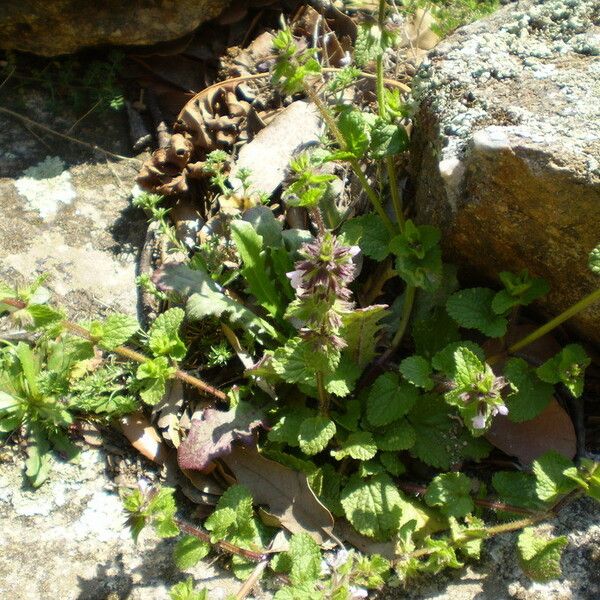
[[65, 26], [268, 155], [507, 147]]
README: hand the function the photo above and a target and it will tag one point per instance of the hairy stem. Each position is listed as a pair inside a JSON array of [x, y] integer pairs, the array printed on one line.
[[339, 138], [409, 299], [381, 109], [128, 353], [550, 325], [323, 396]]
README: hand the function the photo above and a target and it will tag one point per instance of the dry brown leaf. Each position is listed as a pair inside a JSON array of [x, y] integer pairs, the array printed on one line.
[[144, 437], [286, 493], [550, 430], [167, 411]]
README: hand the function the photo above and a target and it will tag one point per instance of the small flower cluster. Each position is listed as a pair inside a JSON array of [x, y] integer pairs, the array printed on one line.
[[489, 403], [321, 281]]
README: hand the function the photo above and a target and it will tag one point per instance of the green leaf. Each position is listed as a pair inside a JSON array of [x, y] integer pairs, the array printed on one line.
[[153, 375], [392, 464], [540, 556], [434, 332], [441, 441], [417, 371], [387, 139], [517, 489], [472, 308], [355, 130], [594, 260], [371, 235], [374, 506], [42, 315], [287, 428], [550, 481], [188, 551], [163, 337], [474, 532], [567, 367], [359, 445], [114, 331], [315, 433], [306, 591], [184, 590], [206, 298], [532, 395], [305, 558], [38, 461], [520, 290], [444, 360], [298, 360], [368, 44], [256, 271], [451, 492], [161, 509], [342, 382], [389, 399], [397, 436], [419, 257], [361, 331]]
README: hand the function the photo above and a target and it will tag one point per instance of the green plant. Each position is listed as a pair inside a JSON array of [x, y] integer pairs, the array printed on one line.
[[337, 407]]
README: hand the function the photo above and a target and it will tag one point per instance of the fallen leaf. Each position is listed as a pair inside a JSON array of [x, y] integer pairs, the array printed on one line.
[[550, 430], [284, 491], [144, 437], [167, 412], [212, 435]]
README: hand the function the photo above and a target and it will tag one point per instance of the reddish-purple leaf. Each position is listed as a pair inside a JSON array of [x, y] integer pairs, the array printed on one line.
[[213, 434]]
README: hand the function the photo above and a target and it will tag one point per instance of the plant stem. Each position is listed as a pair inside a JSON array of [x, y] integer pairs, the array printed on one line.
[[128, 353], [381, 109], [409, 299], [323, 396], [339, 138], [197, 532], [550, 325], [419, 490]]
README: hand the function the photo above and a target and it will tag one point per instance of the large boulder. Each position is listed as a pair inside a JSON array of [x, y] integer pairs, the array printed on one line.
[[50, 28], [507, 147]]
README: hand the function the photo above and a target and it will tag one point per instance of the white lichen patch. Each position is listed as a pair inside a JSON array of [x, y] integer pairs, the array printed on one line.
[[46, 186]]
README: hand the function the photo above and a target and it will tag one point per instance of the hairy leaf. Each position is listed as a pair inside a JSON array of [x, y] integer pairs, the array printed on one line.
[[451, 492], [389, 399], [417, 370], [532, 396], [550, 481], [472, 308], [374, 507], [360, 330], [399, 435], [189, 550], [539, 555], [314, 434], [567, 367], [359, 445], [114, 331], [371, 235]]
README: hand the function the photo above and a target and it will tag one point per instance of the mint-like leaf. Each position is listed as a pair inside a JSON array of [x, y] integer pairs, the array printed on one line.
[[539, 555], [163, 336], [185, 590], [567, 367], [451, 492], [188, 551], [444, 360], [472, 308], [550, 481], [520, 290], [213, 434], [355, 130], [417, 371], [360, 330], [517, 489], [399, 435], [387, 139], [373, 507], [594, 260], [315, 433], [114, 331], [359, 445], [389, 399], [153, 375], [371, 235], [532, 395]]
